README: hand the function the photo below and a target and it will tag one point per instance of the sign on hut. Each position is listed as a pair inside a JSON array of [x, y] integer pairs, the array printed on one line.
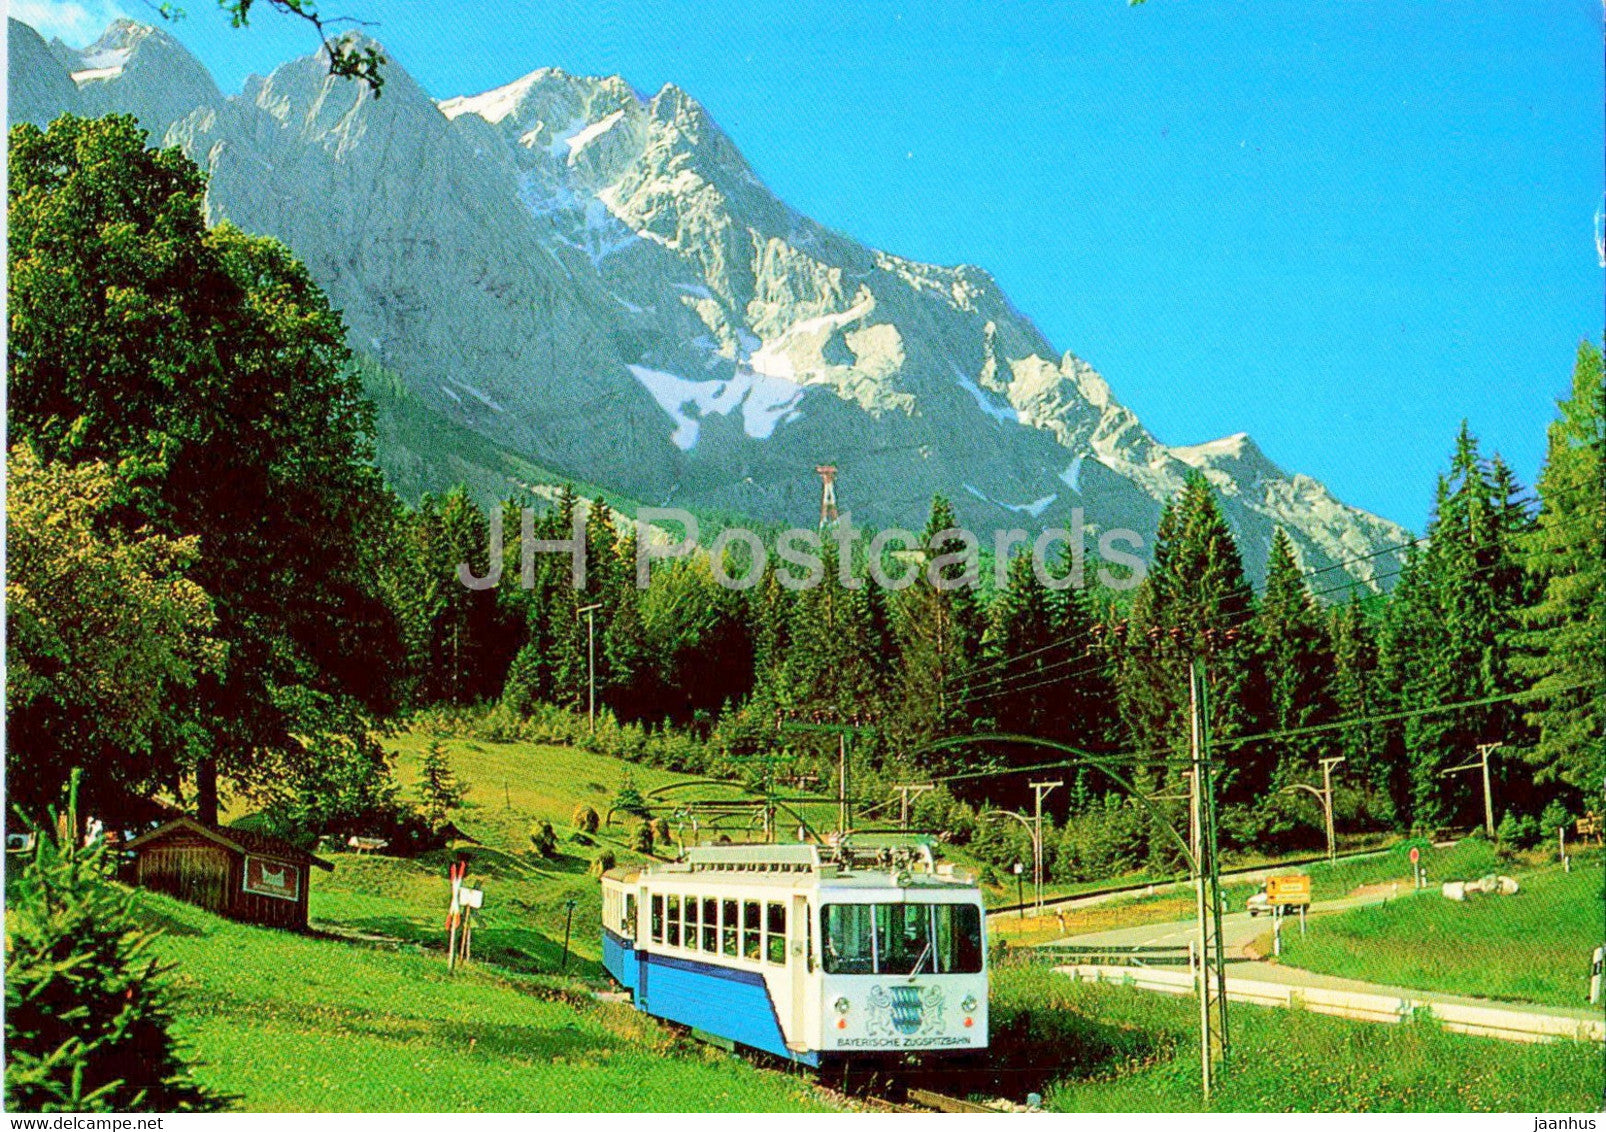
[[237, 873]]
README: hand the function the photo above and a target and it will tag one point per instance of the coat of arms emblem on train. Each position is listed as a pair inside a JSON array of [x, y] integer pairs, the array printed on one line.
[[906, 1010]]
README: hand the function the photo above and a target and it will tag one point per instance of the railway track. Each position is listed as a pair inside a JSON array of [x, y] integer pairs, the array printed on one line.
[[938, 1102], [922, 1100]]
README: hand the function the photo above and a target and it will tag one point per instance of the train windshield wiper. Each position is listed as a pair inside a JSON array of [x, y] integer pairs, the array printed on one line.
[[920, 962]]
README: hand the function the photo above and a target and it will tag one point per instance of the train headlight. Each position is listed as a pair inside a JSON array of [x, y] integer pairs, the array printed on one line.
[[841, 1005], [968, 1004]]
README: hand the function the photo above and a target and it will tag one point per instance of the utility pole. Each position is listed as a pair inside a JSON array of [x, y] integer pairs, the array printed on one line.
[[1484, 750], [841, 731], [1034, 834], [1325, 797], [1327, 789], [1040, 790], [842, 784], [590, 612], [906, 794], [1482, 762], [1213, 1041]]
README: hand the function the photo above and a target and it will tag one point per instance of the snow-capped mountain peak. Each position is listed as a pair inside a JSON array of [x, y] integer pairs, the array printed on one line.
[[598, 282]]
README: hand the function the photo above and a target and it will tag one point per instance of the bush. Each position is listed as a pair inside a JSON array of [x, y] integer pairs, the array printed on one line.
[[544, 839], [605, 861], [87, 1009], [628, 800], [643, 842], [1517, 831], [1554, 817], [585, 819]]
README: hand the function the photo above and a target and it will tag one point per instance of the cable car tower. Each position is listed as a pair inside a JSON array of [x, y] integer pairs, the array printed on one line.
[[828, 512]]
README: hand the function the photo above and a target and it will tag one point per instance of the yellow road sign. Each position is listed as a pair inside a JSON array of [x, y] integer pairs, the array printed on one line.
[[1288, 890]]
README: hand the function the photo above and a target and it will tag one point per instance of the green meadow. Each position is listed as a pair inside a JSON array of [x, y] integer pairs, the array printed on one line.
[[1122, 1049], [1534, 946]]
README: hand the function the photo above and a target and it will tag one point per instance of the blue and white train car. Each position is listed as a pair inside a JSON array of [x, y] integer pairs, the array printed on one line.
[[811, 955]]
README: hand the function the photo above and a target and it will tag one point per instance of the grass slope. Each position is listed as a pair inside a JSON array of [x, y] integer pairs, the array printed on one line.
[[512, 787], [1531, 947], [292, 1023], [1121, 1049]]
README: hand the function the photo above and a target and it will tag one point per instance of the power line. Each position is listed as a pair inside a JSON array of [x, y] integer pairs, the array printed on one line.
[[1146, 757], [1224, 621]]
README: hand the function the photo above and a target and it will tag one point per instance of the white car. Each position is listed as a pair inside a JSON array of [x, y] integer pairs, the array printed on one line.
[[1258, 903]]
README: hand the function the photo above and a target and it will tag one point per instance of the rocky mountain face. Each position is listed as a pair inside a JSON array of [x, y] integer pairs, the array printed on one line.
[[595, 282]]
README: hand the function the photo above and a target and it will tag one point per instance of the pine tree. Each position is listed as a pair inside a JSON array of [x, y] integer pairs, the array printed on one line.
[[439, 790], [1563, 635], [88, 1011], [836, 643], [939, 634], [1357, 693], [1046, 671], [1294, 653], [1196, 602], [470, 639], [1024, 659], [1449, 633]]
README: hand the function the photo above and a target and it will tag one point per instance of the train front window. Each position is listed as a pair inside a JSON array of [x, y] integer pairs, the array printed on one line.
[[658, 917], [849, 939], [901, 939]]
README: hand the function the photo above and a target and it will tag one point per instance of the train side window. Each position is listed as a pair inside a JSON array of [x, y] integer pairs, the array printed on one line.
[[727, 927], [657, 917], [752, 931], [691, 923], [674, 921], [776, 933], [710, 924], [629, 921]]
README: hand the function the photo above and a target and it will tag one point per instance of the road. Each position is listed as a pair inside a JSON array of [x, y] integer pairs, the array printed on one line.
[[1237, 928], [1252, 875]]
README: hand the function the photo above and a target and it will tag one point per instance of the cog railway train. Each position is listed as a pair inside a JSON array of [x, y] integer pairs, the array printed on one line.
[[816, 955]]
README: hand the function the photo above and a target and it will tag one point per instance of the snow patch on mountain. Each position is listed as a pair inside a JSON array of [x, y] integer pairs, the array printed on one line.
[[105, 64], [985, 403], [764, 401], [1034, 508], [494, 105], [582, 137]]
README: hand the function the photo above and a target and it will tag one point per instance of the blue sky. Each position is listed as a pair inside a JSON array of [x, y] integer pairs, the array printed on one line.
[[1339, 226]]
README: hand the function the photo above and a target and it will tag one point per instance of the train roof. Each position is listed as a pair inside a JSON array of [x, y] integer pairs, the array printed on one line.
[[854, 865]]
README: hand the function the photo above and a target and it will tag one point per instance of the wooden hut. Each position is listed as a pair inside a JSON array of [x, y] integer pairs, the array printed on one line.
[[234, 872]]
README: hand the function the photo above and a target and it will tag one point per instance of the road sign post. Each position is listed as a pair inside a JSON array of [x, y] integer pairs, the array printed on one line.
[[454, 910]]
